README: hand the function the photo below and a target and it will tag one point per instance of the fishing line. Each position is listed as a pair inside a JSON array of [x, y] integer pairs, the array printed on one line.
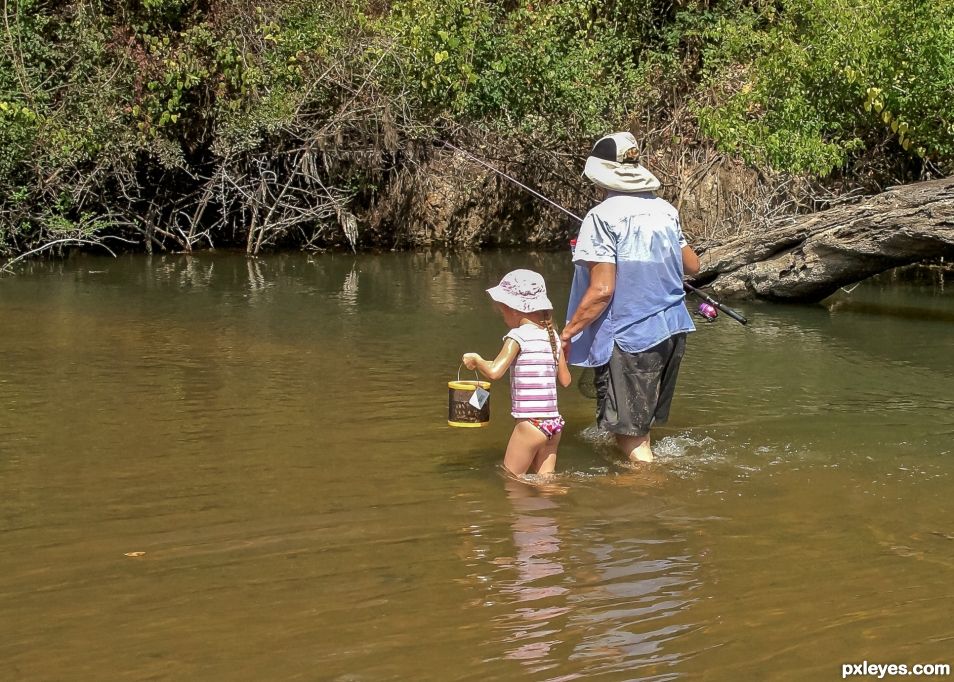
[[513, 180], [735, 315]]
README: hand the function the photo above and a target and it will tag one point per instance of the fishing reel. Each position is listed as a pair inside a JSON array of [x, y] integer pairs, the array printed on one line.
[[707, 311], [709, 307]]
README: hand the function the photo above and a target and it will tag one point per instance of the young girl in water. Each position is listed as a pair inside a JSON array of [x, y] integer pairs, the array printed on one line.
[[533, 353]]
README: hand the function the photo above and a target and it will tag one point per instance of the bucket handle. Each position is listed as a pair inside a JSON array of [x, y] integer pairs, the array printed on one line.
[[458, 372]]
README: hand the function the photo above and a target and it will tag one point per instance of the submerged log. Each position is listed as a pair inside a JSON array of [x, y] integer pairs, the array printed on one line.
[[813, 256]]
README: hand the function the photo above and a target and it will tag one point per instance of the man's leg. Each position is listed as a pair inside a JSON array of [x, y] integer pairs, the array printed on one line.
[[676, 349], [623, 406], [636, 448], [639, 388]]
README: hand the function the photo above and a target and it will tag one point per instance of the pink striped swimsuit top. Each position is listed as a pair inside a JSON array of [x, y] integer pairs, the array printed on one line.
[[533, 374]]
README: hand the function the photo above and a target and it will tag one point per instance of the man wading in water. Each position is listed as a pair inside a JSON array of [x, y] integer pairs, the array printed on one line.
[[627, 313]]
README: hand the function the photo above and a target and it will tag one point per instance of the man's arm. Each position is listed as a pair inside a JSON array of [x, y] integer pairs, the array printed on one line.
[[595, 299], [690, 261]]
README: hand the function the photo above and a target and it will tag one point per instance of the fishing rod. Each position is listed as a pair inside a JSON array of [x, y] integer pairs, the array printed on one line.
[[735, 315]]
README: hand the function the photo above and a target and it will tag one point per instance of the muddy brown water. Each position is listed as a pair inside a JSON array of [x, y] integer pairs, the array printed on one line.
[[214, 468]]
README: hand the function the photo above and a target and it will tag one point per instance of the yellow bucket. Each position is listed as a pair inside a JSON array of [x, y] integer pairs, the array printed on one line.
[[461, 396]]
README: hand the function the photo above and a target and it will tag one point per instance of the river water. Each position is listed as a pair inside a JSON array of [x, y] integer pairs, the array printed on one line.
[[220, 468]]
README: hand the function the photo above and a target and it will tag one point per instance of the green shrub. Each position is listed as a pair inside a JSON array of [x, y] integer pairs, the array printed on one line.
[[117, 114], [558, 68], [810, 85]]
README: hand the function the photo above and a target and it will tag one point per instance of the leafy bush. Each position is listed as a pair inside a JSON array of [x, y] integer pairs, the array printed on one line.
[[172, 121], [553, 68], [810, 85]]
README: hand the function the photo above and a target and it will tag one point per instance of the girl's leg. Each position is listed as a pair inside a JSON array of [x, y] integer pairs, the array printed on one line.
[[544, 462], [525, 441]]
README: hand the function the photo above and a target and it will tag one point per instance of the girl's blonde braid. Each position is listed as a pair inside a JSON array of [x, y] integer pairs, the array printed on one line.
[[552, 335]]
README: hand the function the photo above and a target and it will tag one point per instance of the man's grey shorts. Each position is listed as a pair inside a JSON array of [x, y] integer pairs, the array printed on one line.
[[634, 390]]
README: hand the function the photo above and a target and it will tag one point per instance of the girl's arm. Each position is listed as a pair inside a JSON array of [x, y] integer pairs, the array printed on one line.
[[563, 372], [499, 366]]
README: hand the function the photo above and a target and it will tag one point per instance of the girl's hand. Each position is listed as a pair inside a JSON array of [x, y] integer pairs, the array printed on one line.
[[566, 346], [470, 360]]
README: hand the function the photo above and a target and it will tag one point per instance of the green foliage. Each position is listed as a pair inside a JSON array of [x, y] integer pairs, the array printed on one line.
[[557, 68], [242, 78], [106, 105], [56, 111], [810, 85], [258, 93]]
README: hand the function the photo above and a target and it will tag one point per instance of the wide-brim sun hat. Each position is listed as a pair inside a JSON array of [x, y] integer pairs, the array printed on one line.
[[613, 164], [523, 290]]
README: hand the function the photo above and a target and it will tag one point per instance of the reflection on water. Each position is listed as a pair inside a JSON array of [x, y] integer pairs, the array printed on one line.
[[536, 586], [349, 292], [269, 433], [568, 598]]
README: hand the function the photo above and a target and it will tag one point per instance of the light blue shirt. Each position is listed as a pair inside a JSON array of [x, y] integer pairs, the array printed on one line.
[[642, 236]]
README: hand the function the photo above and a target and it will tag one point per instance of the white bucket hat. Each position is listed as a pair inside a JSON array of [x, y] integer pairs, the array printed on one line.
[[522, 290], [614, 165]]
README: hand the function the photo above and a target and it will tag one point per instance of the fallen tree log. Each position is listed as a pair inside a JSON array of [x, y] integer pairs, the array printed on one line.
[[812, 256]]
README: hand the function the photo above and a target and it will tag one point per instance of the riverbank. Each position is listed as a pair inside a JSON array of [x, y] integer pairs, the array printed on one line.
[[186, 125]]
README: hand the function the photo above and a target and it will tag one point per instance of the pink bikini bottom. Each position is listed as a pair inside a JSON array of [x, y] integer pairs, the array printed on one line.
[[550, 426]]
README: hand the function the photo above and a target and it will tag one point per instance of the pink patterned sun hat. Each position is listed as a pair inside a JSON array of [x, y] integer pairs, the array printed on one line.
[[522, 290]]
